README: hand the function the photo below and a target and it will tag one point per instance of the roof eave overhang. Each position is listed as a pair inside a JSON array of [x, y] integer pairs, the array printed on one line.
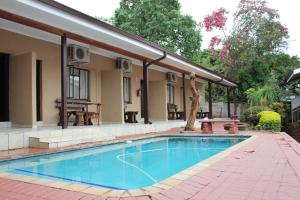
[[59, 19], [294, 75]]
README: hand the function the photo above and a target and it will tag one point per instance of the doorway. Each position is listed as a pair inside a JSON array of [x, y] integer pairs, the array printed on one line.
[[38, 90], [4, 87], [142, 98]]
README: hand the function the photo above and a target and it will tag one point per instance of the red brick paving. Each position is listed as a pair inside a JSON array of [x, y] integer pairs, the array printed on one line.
[[265, 169]]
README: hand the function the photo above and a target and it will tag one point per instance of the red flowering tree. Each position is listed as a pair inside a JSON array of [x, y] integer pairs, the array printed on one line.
[[217, 20], [244, 50], [255, 28]]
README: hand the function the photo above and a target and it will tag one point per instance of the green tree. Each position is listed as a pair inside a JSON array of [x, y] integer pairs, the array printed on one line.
[[161, 22], [256, 34], [251, 54]]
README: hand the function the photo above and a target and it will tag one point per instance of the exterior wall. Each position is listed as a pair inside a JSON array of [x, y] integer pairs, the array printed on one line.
[[201, 88], [178, 100], [50, 55], [16, 44], [157, 96], [97, 66], [295, 116], [158, 100], [23, 89], [136, 77], [295, 102], [112, 98], [99, 89]]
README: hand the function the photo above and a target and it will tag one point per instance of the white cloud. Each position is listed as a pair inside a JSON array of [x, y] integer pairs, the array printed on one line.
[[288, 10]]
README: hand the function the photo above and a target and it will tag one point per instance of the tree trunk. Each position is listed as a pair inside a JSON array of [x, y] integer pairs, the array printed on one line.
[[194, 107]]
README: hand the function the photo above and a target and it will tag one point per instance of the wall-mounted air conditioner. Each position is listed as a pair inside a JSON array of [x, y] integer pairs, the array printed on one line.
[[124, 64], [78, 54]]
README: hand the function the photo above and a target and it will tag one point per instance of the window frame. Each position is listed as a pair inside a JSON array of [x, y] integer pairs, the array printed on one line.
[[71, 69], [129, 90]]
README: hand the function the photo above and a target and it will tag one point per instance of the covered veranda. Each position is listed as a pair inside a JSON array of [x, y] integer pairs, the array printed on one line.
[[55, 23]]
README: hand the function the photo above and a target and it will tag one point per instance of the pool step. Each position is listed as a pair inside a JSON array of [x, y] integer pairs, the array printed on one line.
[[57, 142], [56, 138]]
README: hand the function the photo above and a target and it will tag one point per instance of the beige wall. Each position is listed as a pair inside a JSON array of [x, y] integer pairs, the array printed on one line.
[[16, 44], [158, 100], [22, 89], [178, 100], [136, 77], [201, 88], [112, 98]]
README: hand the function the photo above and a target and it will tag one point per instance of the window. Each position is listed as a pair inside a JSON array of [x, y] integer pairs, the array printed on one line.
[[127, 89], [78, 83], [171, 93]]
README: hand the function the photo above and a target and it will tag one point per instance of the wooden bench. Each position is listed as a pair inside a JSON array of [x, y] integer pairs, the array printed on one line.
[[80, 110], [130, 116], [201, 115], [206, 125], [172, 110], [179, 115]]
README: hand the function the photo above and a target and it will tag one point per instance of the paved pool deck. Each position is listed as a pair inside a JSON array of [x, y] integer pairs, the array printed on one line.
[[267, 168]]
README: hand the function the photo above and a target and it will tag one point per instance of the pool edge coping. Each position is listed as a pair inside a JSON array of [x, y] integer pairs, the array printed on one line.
[[165, 184]]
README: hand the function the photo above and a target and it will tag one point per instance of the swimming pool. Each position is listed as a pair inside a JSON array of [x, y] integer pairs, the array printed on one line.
[[123, 166]]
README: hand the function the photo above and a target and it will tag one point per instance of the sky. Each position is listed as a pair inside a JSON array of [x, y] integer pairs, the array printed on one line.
[[198, 9]]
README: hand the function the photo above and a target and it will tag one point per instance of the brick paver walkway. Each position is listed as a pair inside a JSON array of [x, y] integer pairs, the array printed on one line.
[[267, 168]]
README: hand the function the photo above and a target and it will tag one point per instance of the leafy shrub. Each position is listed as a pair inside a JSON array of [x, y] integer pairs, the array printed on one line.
[[250, 114], [269, 120], [279, 108]]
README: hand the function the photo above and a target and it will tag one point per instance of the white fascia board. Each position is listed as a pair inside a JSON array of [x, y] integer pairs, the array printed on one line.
[[228, 83], [195, 69], [18, 6], [101, 30], [28, 31], [295, 72]]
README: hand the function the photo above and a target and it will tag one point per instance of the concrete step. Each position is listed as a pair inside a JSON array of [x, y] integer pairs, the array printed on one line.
[[55, 138], [56, 142]]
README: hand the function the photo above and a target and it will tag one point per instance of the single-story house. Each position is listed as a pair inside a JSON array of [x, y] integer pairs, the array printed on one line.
[[51, 54]]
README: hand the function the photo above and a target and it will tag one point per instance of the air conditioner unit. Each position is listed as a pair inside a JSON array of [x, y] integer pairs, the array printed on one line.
[[78, 54], [124, 64], [171, 77]]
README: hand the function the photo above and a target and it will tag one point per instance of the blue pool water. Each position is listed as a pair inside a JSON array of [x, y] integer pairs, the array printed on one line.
[[125, 165]]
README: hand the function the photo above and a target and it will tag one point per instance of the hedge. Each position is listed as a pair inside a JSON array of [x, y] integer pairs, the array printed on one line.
[[269, 120], [250, 115]]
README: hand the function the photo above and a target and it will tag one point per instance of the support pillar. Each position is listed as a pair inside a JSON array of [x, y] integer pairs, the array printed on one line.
[[228, 103], [210, 114], [146, 85], [145, 92], [183, 94], [64, 78]]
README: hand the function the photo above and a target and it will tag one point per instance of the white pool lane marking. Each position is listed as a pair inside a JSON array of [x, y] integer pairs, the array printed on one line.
[[147, 174], [136, 167]]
